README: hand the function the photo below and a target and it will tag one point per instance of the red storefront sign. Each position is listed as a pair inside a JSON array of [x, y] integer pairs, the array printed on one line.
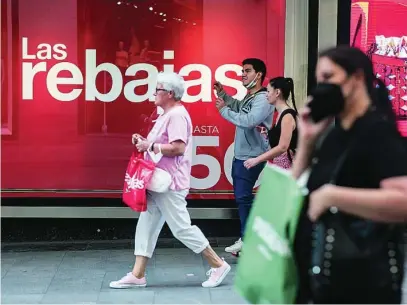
[[86, 74]]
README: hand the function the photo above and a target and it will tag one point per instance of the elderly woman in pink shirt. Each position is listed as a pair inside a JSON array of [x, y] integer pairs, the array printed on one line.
[[172, 135]]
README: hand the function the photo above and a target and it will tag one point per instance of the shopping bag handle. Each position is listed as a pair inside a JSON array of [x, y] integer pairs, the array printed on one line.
[[137, 154]]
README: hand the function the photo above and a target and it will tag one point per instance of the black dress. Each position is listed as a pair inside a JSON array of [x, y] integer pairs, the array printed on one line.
[[379, 154]]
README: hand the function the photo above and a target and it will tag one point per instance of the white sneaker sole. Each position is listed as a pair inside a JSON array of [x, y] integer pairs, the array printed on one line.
[[220, 280], [232, 250], [126, 286]]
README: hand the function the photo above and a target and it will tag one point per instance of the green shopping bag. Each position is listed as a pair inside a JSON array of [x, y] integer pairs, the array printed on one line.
[[266, 271]]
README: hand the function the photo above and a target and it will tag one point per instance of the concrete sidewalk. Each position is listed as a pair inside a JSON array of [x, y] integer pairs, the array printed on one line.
[[174, 277]]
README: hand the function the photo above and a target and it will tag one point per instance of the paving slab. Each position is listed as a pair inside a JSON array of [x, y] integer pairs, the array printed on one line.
[[72, 277], [174, 276]]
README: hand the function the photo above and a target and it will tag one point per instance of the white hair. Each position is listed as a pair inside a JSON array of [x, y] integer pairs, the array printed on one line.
[[172, 81]]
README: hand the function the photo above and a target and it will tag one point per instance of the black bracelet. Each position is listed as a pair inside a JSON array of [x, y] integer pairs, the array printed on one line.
[[152, 147]]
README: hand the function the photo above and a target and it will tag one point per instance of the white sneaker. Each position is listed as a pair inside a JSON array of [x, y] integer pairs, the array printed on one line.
[[236, 247], [216, 276], [128, 281]]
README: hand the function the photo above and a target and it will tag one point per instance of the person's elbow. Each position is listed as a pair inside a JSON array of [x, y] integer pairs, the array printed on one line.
[[254, 119], [177, 148], [241, 122], [249, 123], [283, 147]]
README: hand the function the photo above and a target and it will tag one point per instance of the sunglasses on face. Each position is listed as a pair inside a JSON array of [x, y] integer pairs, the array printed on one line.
[[160, 89]]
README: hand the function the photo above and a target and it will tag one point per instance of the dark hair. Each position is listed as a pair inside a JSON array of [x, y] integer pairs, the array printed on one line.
[[353, 60], [286, 85], [258, 66]]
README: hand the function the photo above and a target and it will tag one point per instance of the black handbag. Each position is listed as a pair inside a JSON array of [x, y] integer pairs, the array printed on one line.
[[349, 252]]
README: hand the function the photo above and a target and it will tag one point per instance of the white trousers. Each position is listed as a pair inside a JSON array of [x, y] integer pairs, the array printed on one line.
[[170, 207]]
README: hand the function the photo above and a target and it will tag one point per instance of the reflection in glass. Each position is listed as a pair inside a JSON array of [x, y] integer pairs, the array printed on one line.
[[8, 10], [4, 65], [127, 33]]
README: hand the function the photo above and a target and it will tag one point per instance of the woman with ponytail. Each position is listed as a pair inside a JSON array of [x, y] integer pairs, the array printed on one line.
[[349, 241], [283, 136]]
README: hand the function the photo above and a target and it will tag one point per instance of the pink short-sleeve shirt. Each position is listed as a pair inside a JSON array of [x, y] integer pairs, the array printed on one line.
[[175, 125]]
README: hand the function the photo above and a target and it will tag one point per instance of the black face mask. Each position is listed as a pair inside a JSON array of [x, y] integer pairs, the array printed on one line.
[[327, 101]]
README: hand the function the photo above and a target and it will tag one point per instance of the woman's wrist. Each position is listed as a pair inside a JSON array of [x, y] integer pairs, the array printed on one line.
[[302, 161], [306, 144], [258, 159]]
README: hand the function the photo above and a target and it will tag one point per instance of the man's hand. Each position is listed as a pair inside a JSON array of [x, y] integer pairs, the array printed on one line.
[[220, 103], [218, 87], [252, 162]]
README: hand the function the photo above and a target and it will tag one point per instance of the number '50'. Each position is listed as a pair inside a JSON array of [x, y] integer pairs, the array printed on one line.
[[211, 163]]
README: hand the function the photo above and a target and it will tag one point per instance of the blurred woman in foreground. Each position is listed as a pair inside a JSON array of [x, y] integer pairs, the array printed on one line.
[[348, 165]]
